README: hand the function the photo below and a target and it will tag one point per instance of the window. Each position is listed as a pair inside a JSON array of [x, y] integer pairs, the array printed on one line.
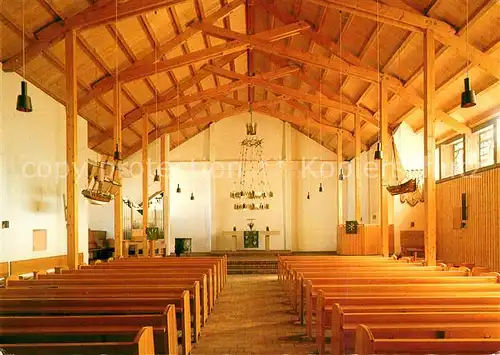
[[487, 146], [458, 157]]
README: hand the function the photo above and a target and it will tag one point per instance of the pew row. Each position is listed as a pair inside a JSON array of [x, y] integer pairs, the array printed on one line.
[[368, 344], [407, 321], [48, 329], [102, 306], [142, 344]]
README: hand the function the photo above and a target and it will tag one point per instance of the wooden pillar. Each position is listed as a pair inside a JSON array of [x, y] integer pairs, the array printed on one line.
[[288, 229], [71, 151], [429, 148], [384, 143], [118, 203], [357, 168], [165, 147], [340, 192], [145, 178]]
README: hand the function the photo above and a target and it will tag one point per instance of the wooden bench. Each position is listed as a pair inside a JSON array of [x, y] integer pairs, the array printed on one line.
[[101, 306], [297, 292], [130, 280], [142, 344], [404, 290], [48, 329], [404, 322], [367, 344], [161, 267]]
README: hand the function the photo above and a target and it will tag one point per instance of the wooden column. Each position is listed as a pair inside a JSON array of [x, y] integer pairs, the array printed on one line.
[[357, 168], [429, 148], [165, 148], [384, 142], [340, 191], [145, 178], [118, 215], [71, 152], [288, 231]]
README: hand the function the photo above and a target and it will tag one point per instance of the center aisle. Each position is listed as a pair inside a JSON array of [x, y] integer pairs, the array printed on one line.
[[252, 317]]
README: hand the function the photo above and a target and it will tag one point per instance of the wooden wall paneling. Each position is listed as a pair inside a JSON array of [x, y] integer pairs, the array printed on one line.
[[30, 265], [479, 242]]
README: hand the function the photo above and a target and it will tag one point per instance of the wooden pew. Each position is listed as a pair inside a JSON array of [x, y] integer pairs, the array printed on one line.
[[410, 322], [367, 344], [221, 261], [297, 292], [187, 263], [49, 329], [100, 306], [130, 280], [88, 291], [163, 268], [408, 290], [142, 344]]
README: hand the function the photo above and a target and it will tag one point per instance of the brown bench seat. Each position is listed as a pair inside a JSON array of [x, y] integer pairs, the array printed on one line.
[[109, 328], [367, 344], [141, 344], [101, 306]]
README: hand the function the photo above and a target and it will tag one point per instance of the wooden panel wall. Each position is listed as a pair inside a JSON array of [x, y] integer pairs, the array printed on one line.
[[479, 241], [30, 265], [4, 269], [368, 241]]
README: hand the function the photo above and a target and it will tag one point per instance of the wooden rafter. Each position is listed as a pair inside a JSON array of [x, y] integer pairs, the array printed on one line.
[[100, 13], [105, 84]]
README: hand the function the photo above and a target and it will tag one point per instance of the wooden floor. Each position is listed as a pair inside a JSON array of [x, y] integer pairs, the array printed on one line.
[[252, 317]]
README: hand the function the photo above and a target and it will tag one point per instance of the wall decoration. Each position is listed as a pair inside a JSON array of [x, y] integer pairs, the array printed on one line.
[[251, 239], [39, 239], [351, 227]]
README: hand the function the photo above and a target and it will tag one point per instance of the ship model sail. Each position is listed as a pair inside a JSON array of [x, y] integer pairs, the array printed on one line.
[[103, 182]]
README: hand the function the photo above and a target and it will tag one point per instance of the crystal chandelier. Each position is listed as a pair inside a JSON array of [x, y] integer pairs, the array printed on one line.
[[252, 191]]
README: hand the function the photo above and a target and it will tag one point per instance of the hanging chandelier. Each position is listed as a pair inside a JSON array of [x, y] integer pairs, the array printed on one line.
[[252, 191]]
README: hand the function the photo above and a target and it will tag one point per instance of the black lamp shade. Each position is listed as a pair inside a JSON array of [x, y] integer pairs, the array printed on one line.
[[378, 153], [192, 196], [178, 189], [468, 96], [116, 154], [308, 196], [341, 175], [320, 187], [23, 100], [157, 177]]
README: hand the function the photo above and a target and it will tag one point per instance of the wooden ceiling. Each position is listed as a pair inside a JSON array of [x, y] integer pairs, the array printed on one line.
[[187, 63]]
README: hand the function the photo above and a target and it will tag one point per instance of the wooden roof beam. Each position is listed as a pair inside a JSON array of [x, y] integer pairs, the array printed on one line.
[[417, 23], [136, 114], [104, 85], [102, 12], [158, 133]]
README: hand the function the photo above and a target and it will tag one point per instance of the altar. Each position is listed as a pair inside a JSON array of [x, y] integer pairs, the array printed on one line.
[[246, 240]]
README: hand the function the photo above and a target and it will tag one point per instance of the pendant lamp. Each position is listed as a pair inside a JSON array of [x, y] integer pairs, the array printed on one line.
[[178, 190], [308, 196], [157, 177], [192, 196], [320, 187], [23, 100], [116, 154], [469, 95], [341, 175], [378, 153]]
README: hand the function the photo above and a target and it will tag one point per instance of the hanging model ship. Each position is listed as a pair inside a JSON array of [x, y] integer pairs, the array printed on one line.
[[103, 182]]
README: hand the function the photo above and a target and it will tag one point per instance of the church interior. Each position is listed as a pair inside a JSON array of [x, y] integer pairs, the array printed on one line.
[[249, 177]]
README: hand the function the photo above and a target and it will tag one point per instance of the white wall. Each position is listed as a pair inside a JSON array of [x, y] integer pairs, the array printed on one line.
[[33, 181], [313, 222]]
